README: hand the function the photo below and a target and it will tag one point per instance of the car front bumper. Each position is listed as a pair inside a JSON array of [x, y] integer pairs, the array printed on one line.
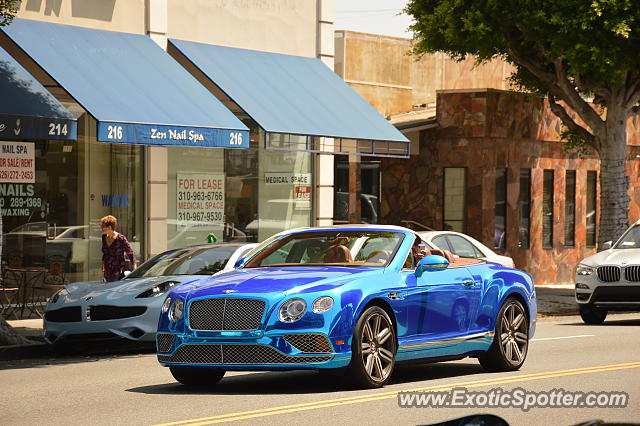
[[615, 296]]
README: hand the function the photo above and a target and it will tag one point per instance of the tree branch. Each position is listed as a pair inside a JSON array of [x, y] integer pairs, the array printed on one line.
[[571, 124], [632, 94]]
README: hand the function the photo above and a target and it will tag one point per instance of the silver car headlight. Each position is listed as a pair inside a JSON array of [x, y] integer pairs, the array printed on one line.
[[158, 290], [177, 308], [584, 270], [292, 310], [58, 294], [322, 304]]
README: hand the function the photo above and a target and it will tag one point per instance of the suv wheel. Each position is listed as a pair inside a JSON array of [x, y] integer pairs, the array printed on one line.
[[592, 315]]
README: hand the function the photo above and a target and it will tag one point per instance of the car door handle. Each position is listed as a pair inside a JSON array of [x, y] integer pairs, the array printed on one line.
[[468, 283]]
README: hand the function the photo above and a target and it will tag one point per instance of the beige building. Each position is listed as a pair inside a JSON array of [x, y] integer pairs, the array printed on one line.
[[145, 185]]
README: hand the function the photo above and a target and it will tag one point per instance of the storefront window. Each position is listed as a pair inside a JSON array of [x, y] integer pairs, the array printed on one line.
[[454, 198], [592, 194], [524, 204], [500, 235], [547, 209], [55, 217], [570, 209], [237, 195]]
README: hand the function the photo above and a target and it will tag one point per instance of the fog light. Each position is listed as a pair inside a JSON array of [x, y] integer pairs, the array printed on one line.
[[582, 286]]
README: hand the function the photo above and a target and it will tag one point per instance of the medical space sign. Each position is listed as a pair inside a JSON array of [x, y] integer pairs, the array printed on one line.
[[148, 134], [199, 199], [17, 162]]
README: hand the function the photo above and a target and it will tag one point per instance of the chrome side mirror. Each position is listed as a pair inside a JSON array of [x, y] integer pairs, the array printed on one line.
[[431, 263]]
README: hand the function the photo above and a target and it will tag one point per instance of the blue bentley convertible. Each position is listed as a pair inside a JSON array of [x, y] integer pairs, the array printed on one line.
[[360, 298]]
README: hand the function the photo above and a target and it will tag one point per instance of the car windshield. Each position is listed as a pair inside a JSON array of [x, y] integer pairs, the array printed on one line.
[[631, 239], [341, 248], [187, 261]]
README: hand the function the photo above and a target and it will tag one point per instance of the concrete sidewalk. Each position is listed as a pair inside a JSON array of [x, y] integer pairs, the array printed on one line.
[[553, 300]]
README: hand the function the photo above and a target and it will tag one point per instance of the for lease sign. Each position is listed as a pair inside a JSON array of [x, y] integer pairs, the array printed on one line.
[[17, 162], [199, 199]]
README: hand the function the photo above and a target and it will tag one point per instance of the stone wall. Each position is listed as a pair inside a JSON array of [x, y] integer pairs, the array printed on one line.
[[484, 130]]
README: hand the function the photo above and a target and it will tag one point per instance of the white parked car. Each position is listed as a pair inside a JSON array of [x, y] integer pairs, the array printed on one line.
[[464, 246], [610, 280], [130, 308]]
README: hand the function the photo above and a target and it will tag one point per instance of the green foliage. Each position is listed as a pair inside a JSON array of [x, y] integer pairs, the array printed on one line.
[[596, 41], [8, 10], [574, 141]]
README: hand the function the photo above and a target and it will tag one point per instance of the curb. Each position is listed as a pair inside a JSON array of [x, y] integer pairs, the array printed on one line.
[[17, 352]]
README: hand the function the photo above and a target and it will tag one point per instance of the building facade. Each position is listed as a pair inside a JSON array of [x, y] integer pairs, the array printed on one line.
[[263, 179], [484, 161]]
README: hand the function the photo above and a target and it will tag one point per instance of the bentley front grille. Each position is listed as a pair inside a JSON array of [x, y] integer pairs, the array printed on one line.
[[165, 341], [309, 343], [609, 274], [235, 354], [226, 314], [632, 273]]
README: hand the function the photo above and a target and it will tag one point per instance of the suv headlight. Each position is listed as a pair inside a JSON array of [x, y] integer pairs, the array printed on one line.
[[177, 308], [158, 290], [584, 270], [292, 310]]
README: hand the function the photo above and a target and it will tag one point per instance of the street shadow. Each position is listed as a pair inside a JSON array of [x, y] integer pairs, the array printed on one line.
[[607, 323], [80, 352], [308, 382]]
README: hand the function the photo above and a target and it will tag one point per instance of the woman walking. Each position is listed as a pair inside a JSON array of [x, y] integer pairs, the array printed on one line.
[[115, 247]]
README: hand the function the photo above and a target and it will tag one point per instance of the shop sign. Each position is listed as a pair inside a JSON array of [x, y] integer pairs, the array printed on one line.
[[199, 199], [287, 178], [149, 134], [18, 127], [302, 197], [17, 162]]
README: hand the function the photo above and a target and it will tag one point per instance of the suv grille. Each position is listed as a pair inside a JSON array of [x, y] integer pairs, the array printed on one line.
[[632, 273], [609, 273], [226, 314], [235, 354], [68, 314], [309, 343], [165, 341]]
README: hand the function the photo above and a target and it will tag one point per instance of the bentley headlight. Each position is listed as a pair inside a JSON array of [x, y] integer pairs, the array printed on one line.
[[165, 306], [161, 288], [62, 292], [584, 270], [292, 310], [322, 304], [177, 308]]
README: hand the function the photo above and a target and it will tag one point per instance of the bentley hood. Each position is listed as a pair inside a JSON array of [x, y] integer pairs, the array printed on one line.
[[286, 280]]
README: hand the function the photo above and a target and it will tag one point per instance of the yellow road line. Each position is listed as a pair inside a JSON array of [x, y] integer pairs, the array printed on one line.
[[285, 409]]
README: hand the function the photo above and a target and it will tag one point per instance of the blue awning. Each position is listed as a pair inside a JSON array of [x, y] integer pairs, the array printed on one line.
[[133, 88], [27, 109], [293, 95]]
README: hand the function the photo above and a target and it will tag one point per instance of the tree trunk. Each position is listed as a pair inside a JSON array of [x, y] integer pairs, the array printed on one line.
[[8, 335], [614, 182]]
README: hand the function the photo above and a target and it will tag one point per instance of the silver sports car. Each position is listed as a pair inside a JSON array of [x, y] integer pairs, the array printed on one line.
[[130, 308]]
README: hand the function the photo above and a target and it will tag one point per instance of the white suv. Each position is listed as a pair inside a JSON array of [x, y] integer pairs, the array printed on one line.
[[610, 280]]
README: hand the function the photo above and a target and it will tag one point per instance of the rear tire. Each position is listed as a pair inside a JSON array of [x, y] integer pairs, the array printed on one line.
[[197, 377], [511, 339], [592, 315], [373, 349]]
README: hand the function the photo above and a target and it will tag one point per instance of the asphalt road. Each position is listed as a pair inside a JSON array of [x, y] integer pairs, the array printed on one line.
[[135, 390]]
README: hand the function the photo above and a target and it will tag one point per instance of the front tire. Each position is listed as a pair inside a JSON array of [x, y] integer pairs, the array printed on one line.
[[373, 349], [511, 339], [197, 377], [592, 315]]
